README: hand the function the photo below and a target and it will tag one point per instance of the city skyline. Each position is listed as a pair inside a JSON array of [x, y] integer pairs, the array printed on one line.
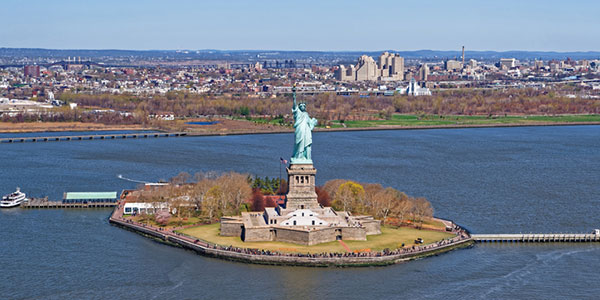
[[306, 26]]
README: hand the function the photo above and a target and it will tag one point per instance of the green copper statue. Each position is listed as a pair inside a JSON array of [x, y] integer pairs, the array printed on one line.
[[303, 124]]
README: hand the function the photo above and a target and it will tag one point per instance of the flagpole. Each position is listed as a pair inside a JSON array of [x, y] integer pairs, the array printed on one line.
[[279, 188]]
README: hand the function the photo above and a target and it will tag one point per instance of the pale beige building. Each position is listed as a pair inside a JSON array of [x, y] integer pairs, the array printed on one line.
[[507, 63], [453, 65], [424, 72], [366, 69], [389, 66]]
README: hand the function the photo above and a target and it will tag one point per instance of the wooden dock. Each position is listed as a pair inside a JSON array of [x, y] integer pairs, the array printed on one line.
[[537, 238], [64, 138], [44, 203]]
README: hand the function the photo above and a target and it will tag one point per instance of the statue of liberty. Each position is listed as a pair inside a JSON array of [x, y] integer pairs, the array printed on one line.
[[303, 125]]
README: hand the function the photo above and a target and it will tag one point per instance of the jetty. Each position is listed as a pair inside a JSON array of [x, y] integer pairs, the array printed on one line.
[[538, 238], [45, 203], [75, 200], [89, 137]]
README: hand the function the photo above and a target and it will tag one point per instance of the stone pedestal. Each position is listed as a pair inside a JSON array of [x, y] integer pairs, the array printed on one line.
[[301, 187]]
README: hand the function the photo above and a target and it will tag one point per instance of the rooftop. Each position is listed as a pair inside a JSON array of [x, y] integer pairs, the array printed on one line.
[[89, 195]]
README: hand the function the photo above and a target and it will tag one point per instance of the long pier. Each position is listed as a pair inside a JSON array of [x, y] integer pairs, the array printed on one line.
[[537, 238], [91, 137], [44, 203]]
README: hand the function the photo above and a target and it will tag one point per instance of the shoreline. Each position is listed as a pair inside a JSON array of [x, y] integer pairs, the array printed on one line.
[[318, 129], [203, 248]]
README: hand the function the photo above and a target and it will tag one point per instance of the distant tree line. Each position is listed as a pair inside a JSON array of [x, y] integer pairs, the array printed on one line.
[[75, 115], [329, 106], [326, 106]]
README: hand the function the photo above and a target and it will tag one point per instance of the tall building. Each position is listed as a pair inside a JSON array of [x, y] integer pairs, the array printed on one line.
[[424, 72], [507, 63], [389, 66], [31, 71], [472, 63], [366, 69], [384, 64], [397, 71], [346, 74], [452, 65]]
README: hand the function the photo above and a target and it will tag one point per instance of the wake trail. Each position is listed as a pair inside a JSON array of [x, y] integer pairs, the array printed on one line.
[[132, 180]]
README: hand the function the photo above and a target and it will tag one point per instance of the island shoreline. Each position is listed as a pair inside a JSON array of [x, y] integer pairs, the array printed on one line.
[[205, 249]]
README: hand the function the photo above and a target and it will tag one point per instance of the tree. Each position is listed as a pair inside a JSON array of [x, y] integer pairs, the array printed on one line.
[[181, 178], [162, 217], [211, 203], [283, 187], [258, 200], [235, 191], [421, 209], [200, 190], [385, 202], [403, 208], [349, 196], [323, 197], [269, 202], [332, 186], [371, 201]]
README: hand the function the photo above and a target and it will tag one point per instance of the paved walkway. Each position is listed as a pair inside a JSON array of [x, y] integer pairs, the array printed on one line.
[[345, 246]]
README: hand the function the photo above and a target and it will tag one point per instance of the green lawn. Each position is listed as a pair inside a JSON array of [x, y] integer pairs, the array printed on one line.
[[271, 121], [435, 120], [391, 238], [173, 221]]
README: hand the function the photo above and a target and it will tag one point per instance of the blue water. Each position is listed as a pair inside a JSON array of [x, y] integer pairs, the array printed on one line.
[[202, 123], [529, 179]]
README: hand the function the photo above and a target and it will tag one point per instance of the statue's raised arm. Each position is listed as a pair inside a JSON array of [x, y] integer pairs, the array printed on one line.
[[294, 94], [303, 125]]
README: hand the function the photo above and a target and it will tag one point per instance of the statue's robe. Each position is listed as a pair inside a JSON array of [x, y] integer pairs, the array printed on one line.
[[303, 125]]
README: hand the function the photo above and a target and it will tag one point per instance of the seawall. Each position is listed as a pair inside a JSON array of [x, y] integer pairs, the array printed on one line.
[[207, 249]]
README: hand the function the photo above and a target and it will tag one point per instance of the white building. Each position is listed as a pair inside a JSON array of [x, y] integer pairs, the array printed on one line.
[[413, 89], [144, 208]]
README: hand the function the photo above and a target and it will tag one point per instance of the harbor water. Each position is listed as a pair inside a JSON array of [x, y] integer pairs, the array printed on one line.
[[492, 180]]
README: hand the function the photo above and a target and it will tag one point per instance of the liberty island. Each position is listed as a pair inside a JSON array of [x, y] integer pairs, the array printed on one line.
[[301, 220]]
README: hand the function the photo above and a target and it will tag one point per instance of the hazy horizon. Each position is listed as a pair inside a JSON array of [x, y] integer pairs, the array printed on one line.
[[295, 50]]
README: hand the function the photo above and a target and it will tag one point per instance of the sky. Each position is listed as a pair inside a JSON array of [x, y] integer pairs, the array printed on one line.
[[325, 25]]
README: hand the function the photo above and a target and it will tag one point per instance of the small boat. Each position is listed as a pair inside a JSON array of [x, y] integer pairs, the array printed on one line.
[[13, 199]]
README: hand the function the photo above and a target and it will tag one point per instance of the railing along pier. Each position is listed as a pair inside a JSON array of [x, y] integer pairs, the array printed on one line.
[[65, 138], [538, 238]]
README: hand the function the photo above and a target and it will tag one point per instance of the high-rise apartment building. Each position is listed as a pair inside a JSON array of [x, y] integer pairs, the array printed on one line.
[[389, 66], [31, 71], [423, 72], [366, 69], [507, 63], [452, 65]]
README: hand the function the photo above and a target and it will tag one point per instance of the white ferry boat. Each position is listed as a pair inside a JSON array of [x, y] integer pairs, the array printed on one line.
[[13, 199]]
